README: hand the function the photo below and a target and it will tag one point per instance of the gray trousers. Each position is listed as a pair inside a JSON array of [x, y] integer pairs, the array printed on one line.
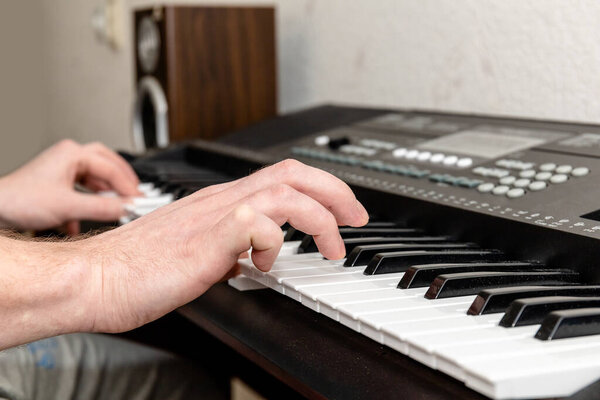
[[93, 366]]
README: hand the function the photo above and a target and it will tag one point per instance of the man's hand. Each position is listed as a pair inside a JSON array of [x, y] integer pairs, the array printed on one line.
[[136, 273], [159, 262], [41, 194]]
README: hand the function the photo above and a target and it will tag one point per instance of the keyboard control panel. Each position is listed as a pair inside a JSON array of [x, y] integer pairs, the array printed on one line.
[[536, 172]]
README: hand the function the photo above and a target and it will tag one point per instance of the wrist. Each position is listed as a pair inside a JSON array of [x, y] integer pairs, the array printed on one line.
[[45, 290]]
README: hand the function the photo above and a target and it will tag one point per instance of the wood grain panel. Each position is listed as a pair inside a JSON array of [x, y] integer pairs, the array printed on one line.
[[221, 69]]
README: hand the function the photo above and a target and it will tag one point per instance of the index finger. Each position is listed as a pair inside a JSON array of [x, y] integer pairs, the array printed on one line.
[[331, 192], [102, 150], [99, 167]]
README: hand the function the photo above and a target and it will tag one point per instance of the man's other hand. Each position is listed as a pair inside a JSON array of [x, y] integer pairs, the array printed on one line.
[[41, 194]]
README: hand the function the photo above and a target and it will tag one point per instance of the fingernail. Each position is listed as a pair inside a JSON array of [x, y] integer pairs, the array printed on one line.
[[342, 249], [362, 212]]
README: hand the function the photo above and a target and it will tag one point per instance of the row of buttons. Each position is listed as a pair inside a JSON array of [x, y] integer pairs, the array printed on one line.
[[546, 175], [357, 150], [564, 169], [462, 181], [540, 182], [514, 164], [375, 165], [410, 171], [435, 158], [493, 172], [378, 144]]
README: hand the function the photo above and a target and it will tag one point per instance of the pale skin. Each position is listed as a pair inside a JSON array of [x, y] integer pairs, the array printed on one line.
[[129, 276]]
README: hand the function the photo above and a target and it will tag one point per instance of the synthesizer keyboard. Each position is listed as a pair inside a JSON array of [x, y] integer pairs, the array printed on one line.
[[481, 261], [489, 332]]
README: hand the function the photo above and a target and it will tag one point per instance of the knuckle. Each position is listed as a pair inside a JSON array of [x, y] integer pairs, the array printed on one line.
[[67, 144], [95, 145], [281, 191], [327, 218], [243, 215], [289, 165]]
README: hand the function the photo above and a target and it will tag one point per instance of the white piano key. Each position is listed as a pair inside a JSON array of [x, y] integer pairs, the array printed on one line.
[[158, 201], [329, 303], [289, 248], [352, 317], [153, 193], [428, 348], [457, 360], [294, 285], [378, 318], [385, 304], [126, 219], [305, 264], [395, 334], [249, 270], [279, 277], [559, 371], [145, 187], [309, 295], [243, 283]]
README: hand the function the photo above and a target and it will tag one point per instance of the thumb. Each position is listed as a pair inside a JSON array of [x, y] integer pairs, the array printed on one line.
[[245, 228], [95, 207]]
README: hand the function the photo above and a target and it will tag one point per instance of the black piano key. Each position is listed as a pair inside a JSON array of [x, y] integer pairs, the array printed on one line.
[[570, 323], [383, 224], [352, 243], [386, 263], [293, 234], [497, 300], [532, 311], [361, 255], [308, 244], [367, 231], [422, 275], [469, 283]]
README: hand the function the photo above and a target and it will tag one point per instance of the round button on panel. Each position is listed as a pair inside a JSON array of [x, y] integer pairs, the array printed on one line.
[[322, 140], [450, 160], [537, 186], [501, 190], [437, 158], [547, 167], [411, 154], [521, 183], [424, 156], [508, 180], [486, 187], [559, 178], [580, 171], [528, 173], [564, 169], [543, 176], [514, 193], [399, 152], [465, 162]]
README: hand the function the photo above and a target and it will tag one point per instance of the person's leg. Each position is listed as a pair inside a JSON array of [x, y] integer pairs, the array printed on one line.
[[84, 366]]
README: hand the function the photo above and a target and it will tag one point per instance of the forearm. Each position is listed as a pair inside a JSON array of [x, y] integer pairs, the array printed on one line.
[[44, 289]]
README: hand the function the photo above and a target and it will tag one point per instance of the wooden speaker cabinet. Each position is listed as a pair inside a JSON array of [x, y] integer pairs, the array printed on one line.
[[202, 72]]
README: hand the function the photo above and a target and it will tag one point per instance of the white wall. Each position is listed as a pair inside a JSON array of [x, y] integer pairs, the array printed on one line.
[[531, 58], [21, 89]]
